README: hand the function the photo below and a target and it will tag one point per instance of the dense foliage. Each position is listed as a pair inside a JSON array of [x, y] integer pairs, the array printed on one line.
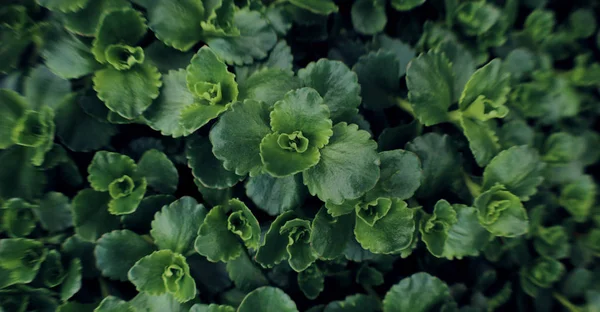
[[299, 155]]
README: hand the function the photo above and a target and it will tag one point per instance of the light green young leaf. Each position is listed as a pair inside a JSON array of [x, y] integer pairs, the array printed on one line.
[[128, 93], [107, 167], [518, 168], [206, 168], [208, 79], [348, 168], [391, 231], [125, 26], [276, 195], [123, 57], [378, 74], [501, 212], [12, 108], [90, 214], [175, 227], [336, 83], [177, 22], [329, 235], [368, 16], [18, 218], [255, 40], [277, 299], [552, 242], [400, 177], [114, 304], [165, 302], [164, 272], [430, 82], [237, 135], [20, 260], [490, 82], [541, 273], [159, 171], [117, 251], [420, 292], [476, 18], [63, 5], [269, 85], [36, 129], [227, 229], [483, 141]]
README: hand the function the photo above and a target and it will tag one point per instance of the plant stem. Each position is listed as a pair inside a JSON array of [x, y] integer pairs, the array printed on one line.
[[405, 106], [566, 303], [455, 116], [103, 287], [474, 188]]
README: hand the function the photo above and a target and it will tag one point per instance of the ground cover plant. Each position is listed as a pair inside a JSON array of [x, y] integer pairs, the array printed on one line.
[[299, 155]]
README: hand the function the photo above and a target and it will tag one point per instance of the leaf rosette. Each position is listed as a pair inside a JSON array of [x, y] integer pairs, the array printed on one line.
[[501, 212]]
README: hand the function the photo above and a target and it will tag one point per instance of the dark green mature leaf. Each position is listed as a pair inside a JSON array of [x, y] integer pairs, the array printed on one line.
[[400, 177], [43, 88], [18, 218], [269, 85], [245, 273], [159, 171], [206, 168], [336, 83], [578, 197], [114, 304], [276, 195], [176, 23], [378, 74], [90, 214], [85, 21], [348, 168], [368, 16], [54, 212], [117, 27], [18, 177], [354, 303], [501, 212], [278, 301], [175, 227], [518, 168], [117, 251], [420, 292], [72, 282], [20, 260], [329, 235]]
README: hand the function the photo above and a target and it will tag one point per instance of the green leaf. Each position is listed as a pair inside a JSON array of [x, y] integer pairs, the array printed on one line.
[[368, 16], [245, 274], [18, 218], [302, 126], [18, 177], [562, 148], [276, 195], [165, 113], [336, 83], [378, 74], [440, 161], [322, 7], [68, 57], [139, 220], [36, 129], [400, 177], [269, 85], [578, 197], [85, 21], [107, 167], [434, 228], [12, 108], [79, 131], [63, 5], [354, 303], [346, 207], [501, 212], [280, 57], [311, 282], [128, 93], [52, 272], [518, 168], [164, 272], [123, 57], [329, 235], [76, 248], [404, 52], [226, 230], [278, 301], [552, 242], [208, 78], [176, 23], [43, 88], [175, 227], [20, 260], [406, 5], [206, 168], [211, 308], [117, 251], [430, 82], [126, 202], [463, 64], [487, 88], [125, 27], [389, 233], [159, 171], [72, 282], [166, 58], [420, 292], [582, 23], [54, 212], [466, 237], [476, 18], [273, 249], [90, 214], [255, 40], [114, 304], [368, 276], [542, 273], [237, 135], [349, 166], [483, 141]]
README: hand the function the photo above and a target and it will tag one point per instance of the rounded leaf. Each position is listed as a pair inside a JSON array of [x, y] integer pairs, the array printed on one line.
[[501, 212], [107, 167], [85, 21], [206, 168], [348, 168], [330, 235], [90, 214], [420, 292], [269, 85], [378, 74], [116, 252], [277, 300], [175, 227], [207, 78], [276, 195], [400, 177], [63, 5], [177, 22], [159, 171], [125, 26], [368, 16]]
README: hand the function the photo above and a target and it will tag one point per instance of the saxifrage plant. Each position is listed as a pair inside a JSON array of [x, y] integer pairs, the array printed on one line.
[[299, 155]]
